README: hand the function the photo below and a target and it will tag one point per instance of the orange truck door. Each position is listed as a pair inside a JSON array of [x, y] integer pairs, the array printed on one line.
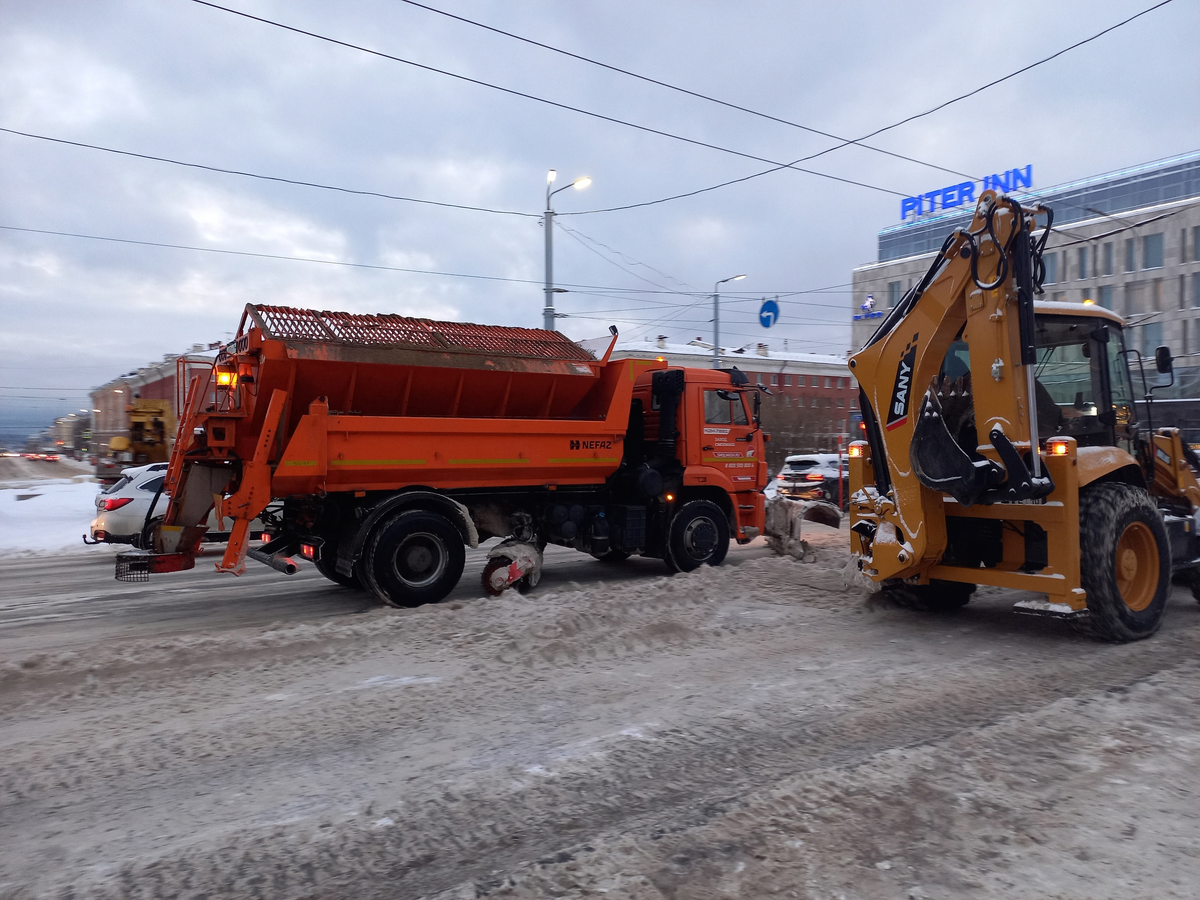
[[725, 439]]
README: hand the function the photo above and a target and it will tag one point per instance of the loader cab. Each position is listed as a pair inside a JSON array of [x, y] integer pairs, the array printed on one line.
[[1082, 378]]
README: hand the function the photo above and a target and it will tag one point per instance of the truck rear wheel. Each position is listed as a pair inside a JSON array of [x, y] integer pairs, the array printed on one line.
[[699, 534], [415, 557], [1125, 562]]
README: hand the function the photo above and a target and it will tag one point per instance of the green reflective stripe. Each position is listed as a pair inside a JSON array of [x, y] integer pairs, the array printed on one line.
[[587, 459], [377, 462], [299, 462], [484, 462]]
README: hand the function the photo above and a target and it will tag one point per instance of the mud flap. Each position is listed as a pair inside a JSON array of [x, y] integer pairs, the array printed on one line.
[[941, 464]]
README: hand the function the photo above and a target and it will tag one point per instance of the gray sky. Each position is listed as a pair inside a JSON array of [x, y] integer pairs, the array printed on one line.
[[176, 79]]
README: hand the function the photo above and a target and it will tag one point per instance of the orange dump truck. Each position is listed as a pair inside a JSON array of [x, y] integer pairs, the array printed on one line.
[[395, 442]]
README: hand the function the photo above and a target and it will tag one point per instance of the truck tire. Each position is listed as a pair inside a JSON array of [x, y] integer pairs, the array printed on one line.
[[935, 597], [327, 566], [1125, 562], [699, 534], [415, 557]]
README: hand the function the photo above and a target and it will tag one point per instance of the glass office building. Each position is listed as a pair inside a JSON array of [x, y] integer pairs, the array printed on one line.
[[1128, 240]]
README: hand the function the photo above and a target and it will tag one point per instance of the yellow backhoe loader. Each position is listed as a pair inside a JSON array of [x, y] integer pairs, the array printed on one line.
[[1005, 446]]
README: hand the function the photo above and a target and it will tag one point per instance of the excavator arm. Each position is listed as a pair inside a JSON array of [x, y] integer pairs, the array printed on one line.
[[979, 290]]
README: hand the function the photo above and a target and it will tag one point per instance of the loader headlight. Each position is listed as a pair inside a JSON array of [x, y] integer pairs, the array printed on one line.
[[226, 378], [855, 452], [1058, 448]]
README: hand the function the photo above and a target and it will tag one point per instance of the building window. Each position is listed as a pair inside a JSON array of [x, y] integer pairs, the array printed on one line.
[[853, 403], [893, 293], [787, 380], [1196, 290], [1152, 338], [828, 383], [1051, 261], [842, 403], [1129, 267], [775, 383], [1083, 269], [799, 381], [1106, 296], [1152, 251], [1108, 258], [1185, 337], [1196, 243]]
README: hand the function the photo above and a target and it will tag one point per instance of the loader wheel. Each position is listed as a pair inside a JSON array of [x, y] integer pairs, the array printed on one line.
[[935, 597], [699, 534], [1125, 562], [416, 557]]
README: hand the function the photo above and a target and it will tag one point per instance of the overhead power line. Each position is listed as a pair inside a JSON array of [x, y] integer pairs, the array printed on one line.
[[877, 131], [683, 90], [554, 103], [261, 177], [574, 288]]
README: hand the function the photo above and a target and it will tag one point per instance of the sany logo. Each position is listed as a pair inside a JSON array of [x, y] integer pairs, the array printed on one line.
[[902, 389]]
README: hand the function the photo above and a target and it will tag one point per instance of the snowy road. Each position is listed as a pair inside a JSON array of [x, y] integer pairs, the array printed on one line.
[[757, 730]]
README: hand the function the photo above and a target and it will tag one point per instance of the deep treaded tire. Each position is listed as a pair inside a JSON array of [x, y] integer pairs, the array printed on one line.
[[935, 597], [415, 557], [699, 535], [1125, 562]]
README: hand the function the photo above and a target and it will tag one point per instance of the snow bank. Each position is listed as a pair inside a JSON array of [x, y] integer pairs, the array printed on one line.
[[47, 516]]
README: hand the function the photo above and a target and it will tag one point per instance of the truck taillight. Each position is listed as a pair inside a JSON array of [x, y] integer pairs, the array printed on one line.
[[308, 551], [111, 503]]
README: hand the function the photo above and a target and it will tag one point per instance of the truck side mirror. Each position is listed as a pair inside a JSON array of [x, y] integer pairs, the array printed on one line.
[[1162, 360]]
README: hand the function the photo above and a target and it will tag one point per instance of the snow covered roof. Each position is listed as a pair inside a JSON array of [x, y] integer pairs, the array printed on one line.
[[699, 353]]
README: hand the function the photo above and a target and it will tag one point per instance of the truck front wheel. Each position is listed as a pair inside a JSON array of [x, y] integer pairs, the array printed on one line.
[[1125, 562], [699, 534], [416, 557]]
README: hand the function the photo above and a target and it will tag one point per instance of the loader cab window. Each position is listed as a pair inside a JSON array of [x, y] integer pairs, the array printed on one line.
[[1073, 370], [724, 408], [957, 361]]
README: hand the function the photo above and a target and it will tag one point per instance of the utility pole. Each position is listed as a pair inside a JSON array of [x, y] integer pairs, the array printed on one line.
[[717, 318], [548, 314]]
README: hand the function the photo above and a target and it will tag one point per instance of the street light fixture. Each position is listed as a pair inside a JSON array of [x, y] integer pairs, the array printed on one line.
[[717, 319], [548, 223]]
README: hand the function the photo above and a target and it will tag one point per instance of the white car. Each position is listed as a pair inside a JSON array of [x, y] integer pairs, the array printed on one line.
[[814, 476], [121, 509]]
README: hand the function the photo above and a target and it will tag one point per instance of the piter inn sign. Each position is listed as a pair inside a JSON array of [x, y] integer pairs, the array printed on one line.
[[960, 194]]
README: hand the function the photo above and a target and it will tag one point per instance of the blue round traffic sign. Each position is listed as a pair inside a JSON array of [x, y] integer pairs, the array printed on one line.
[[768, 313]]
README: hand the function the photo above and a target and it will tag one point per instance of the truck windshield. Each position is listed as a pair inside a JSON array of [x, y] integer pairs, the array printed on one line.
[[724, 410]]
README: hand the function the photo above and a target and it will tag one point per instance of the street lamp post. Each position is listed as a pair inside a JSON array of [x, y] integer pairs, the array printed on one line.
[[548, 223], [717, 319]]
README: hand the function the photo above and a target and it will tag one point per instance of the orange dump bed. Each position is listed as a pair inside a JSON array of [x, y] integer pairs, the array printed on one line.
[[377, 402]]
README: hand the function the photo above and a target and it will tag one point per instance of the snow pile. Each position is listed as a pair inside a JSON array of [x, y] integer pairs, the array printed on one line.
[[46, 516]]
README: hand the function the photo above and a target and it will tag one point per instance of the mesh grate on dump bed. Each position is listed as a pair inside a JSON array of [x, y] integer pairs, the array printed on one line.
[[387, 330]]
